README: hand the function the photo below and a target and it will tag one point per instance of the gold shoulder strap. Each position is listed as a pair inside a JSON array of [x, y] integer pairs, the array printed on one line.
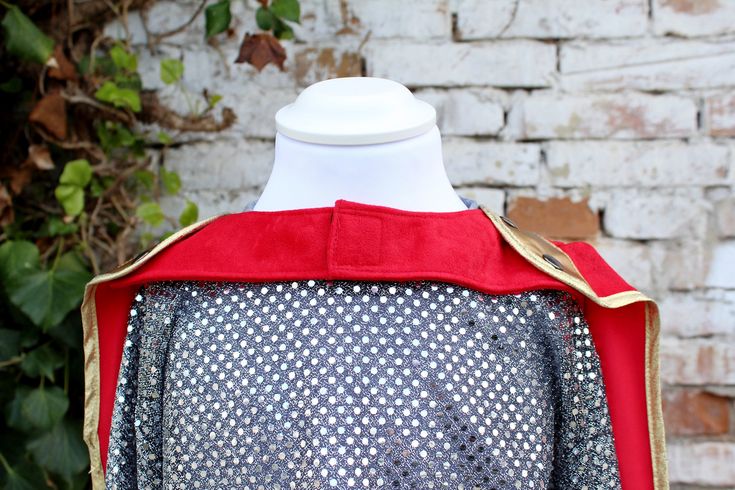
[[549, 258]]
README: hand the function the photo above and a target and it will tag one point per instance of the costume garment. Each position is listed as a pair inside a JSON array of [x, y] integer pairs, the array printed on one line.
[[365, 346]]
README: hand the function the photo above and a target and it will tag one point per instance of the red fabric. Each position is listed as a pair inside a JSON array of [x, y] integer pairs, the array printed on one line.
[[357, 241]]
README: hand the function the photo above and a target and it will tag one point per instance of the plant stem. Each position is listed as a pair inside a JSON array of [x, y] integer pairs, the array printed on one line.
[[4, 461], [58, 253]]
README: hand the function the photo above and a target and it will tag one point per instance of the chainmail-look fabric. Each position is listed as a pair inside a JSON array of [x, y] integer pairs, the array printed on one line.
[[317, 384]]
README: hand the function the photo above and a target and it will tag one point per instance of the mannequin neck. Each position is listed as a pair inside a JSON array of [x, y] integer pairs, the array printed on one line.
[[406, 174]]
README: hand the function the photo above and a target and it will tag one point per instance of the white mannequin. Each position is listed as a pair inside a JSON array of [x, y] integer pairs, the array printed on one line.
[[362, 139]]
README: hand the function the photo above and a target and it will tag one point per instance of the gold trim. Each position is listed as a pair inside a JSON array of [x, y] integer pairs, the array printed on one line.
[[91, 386], [653, 399], [91, 347], [532, 247]]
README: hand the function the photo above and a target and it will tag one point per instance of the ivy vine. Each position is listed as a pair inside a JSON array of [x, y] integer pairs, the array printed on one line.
[[80, 191]]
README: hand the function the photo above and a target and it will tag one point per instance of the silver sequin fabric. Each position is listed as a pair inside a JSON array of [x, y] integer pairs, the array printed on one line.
[[316, 384]]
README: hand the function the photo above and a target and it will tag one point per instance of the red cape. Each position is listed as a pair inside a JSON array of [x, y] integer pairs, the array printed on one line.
[[474, 248]]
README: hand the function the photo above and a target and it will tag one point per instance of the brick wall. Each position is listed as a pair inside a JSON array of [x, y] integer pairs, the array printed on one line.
[[611, 121]]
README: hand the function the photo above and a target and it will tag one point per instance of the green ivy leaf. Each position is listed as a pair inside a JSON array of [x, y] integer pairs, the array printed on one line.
[[42, 361], [23, 39], [217, 18], [46, 296], [71, 198], [171, 181], [44, 407], [214, 99], [70, 192], [145, 177], [119, 97], [76, 172], [151, 213], [24, 476], [264, 18], [171, 71], [62, 450], [54, 226], [164, 138], [189, 215], [17, 258], [9, 343], [13, 413], [286, 9], [281, 30], [123, 59]]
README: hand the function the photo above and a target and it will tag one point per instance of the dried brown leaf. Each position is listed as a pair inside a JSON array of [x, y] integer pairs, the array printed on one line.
[[50, 112], [7, 215], [261, 49], [39, 157], [64, 69]]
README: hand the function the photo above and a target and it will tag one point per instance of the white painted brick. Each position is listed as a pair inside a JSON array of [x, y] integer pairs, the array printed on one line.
[[548, 114], [507, 63], [725, 217], [466, 112], [721, 273], [255, 109], [323, 19], [469, 162], [659, 213], [647, 64], [334, 19], [419, 19], [680, 264], [720, 114], [697, 361], [698, 313], [632, 261], [693, 18], [702, 463], [494, 199], [222, 165], [637, 163], [481, 19]]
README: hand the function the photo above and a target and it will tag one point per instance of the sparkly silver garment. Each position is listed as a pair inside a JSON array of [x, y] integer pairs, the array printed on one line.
[[317, 384]]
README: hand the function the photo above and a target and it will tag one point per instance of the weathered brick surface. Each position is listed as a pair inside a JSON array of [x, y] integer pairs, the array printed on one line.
[[638, 163], [651, 214], [693, 17], [647, 64], [599, 121], [551, 115], [700, 313], [506, 63], [469, 161], [481, 19], [702, 463], [720, 114], [467, 112], [690, 412], [700, 361]]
